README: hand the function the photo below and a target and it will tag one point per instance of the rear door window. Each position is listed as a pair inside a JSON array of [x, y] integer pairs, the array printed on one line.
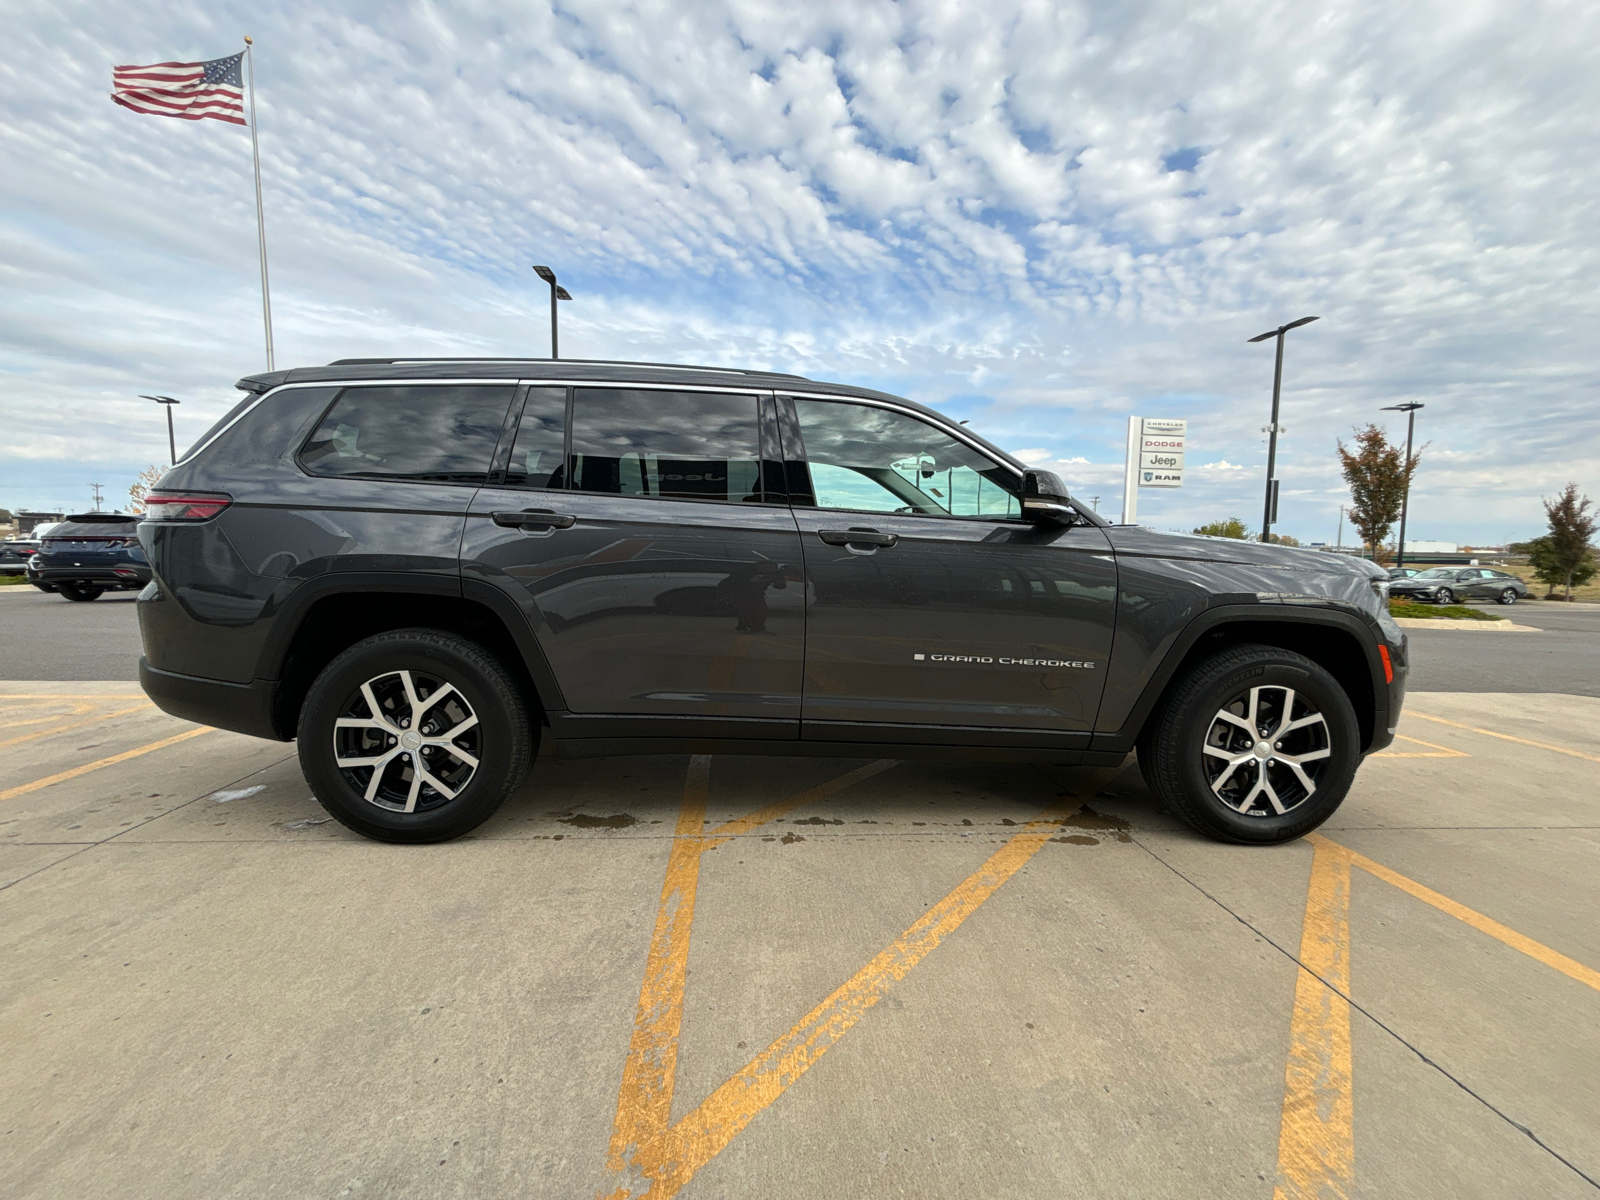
[[668, 445], [441, 433], [541, 441]]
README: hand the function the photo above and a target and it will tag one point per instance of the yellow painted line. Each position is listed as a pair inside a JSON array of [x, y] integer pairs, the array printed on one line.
[[1316, 1137], [1536, 950], [70, 696], [772, 812], [644, 1103], [1444, 751], [121, 712], [1506, 737], [25, 788], [669, 1161]]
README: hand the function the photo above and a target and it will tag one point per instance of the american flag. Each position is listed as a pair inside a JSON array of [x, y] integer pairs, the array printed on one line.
[[193, 91]]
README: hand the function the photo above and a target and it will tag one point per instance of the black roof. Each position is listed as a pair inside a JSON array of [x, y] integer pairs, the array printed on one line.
[[599, 370], [99, 518]]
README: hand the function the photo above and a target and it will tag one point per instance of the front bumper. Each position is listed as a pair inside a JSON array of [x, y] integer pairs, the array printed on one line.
[[240, 707]]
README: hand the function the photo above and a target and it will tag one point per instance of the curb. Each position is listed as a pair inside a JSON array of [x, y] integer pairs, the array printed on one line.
[[1464, 625]]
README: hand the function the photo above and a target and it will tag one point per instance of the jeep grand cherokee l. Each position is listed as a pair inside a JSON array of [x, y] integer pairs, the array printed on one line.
[[420, 569]]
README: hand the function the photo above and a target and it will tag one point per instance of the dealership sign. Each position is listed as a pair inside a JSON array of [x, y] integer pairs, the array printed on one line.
[[1161, 452], [1155, 459]]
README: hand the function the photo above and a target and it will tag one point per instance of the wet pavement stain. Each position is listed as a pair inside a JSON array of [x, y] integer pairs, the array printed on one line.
[[817, 821], [615, 821], [790, 839], [1087, 818], [1078, 839]]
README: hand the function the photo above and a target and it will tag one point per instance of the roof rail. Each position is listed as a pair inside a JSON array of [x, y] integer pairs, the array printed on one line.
[[603, 362]]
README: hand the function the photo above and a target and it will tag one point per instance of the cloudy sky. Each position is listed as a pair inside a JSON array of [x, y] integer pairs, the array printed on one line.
[[1042, 216]]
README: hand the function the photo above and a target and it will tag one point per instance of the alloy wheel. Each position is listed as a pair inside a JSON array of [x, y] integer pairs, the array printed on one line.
[[407, 741], [1446, 596], [1509, 596], [1266, 750]]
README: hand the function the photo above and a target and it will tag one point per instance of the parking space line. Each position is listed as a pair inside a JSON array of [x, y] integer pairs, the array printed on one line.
[[25, 788], [670, 1161], [1535, 950], [772, 812], [657, 1164], [644, 1102], [1443, 751], [1505, 737], [1316, 1138], [28, 737]]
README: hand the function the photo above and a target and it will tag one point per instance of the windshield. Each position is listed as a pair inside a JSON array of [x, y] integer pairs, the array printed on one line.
[[1436, 573]]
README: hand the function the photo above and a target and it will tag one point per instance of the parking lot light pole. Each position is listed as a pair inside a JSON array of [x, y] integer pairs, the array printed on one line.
[[1410, 410], [172, 440], [557, 292], [1272, 430]]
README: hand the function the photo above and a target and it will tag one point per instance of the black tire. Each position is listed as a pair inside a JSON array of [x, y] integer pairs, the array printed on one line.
[[1182, 758], [1446, 596], [1509, 596], [498, 745], [80, 591]]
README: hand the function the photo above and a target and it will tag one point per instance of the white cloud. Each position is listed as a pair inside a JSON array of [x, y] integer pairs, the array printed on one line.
[[965, 204]]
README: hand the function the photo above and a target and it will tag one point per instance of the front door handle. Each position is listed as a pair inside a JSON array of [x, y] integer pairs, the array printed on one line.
[[857, 537], [535, 518]]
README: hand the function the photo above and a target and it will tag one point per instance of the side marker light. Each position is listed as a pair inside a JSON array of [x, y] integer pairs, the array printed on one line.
[[1388, 667]]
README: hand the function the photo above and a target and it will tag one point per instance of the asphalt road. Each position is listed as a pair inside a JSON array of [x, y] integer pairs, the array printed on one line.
[[1564, 657], [46, 637]]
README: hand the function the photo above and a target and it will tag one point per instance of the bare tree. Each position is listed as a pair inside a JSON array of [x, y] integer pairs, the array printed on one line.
[[1378, 476], [142, 483]]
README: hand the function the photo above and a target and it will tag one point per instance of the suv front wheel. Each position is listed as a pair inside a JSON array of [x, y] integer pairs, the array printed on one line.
[[1255, 745], [414, 736]]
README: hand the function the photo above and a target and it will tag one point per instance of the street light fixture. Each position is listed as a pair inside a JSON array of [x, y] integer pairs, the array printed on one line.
[[1270, 512], [1410, 410], [557, 292], [172, 441]]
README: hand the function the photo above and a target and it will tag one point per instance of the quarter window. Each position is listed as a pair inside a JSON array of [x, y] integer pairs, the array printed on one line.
[[665, 444], [440, 433], [877, 460]]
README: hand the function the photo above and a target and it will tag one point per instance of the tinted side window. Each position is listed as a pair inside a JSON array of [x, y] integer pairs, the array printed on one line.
[[877, 460], [445, 433], [673, 445], [541, 440]]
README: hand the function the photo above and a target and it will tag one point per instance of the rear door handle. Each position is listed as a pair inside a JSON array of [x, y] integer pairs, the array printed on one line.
[[857, 537], [535, 518]]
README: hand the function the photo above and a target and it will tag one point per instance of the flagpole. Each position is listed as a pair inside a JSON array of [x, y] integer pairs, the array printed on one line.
[[261, 220]]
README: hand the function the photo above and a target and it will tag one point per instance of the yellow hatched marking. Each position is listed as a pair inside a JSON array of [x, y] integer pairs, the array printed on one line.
[[1506, 737], [657, 1160], [1316, 1138], [28, 737], [1570, 967], [1443, 751], [62, 776]]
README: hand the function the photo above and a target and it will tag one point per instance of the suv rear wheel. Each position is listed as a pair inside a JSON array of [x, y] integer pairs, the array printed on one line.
[[414, 736], [1255, 745]]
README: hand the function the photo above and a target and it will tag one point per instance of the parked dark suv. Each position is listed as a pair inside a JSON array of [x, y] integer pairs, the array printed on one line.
[[87, 555], [422, 568]]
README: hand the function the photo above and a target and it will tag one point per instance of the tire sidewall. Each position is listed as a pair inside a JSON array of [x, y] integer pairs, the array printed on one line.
[[1344, 738], [474, 804]]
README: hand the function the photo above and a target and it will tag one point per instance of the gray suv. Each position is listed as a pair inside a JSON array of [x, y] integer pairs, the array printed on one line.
[[421, 569]]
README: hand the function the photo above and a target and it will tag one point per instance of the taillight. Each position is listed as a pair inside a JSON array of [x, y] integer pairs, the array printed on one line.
[[184, 506]]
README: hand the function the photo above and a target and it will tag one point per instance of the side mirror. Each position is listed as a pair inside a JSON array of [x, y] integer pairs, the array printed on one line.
[[1045, 500]]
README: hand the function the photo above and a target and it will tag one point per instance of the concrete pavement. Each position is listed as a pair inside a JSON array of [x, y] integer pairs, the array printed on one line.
[[841, 979]]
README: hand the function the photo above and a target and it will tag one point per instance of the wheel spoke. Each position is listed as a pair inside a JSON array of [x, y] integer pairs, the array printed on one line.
[[358, 723], [377, 776], [1308, 756], [1265, 785], [433, 782], [1216, 784], [457, 752], [412, 699], [416, 783], [451, 735], [1242, 723], [373, 706], [438, 695], [1300, 774], [376, 760], [1303, 723], [1219, 752], [1253, 714]]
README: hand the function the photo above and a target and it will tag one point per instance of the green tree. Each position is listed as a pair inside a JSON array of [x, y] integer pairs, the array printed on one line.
[[1231, 528], [1283, 539], [1378, 476], [1564, 556]]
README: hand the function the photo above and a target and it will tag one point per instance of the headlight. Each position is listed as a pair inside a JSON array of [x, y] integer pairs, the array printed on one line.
[[1380, 589]]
